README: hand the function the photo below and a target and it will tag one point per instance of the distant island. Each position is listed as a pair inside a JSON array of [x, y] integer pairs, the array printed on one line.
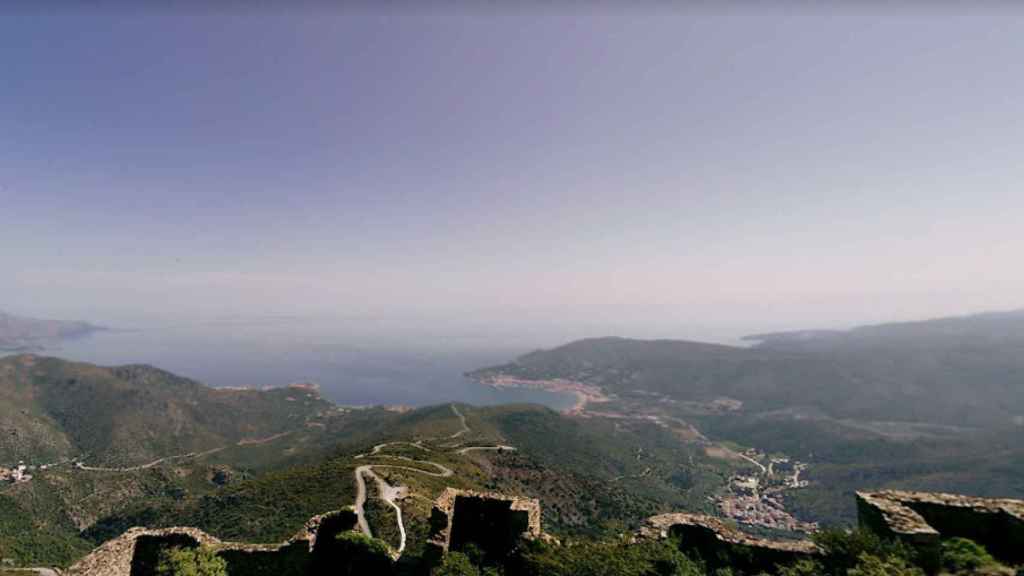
[[21, 334]]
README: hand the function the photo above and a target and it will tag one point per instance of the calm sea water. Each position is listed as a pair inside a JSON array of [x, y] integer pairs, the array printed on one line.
[[349, 370]]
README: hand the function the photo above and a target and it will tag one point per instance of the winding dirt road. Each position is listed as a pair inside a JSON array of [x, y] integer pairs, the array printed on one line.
[[465, 427], [376, 449], [390, 494], [465, 451], [751, 460], [193, 455]]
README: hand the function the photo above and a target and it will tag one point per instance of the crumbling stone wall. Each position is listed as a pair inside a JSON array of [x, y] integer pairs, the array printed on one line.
[[924, 519], [135, 552], [146, 554], [720, 545], [327, 526], [495, 523], [891, 519], [115, 557]]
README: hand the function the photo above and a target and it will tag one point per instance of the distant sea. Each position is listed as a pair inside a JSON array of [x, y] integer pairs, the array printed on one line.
[[349, 369]]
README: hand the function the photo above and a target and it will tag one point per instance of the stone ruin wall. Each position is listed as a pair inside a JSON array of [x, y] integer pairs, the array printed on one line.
[[494, 522], [721, 545], [923, 519], [114, 558], [134, 552], [497, 523]]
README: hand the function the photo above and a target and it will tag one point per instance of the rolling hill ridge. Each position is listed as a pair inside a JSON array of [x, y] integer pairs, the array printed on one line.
[[966, 371], [52, 409]]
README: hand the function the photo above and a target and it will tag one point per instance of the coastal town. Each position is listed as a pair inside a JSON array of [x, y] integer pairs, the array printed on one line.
[[756, 499]]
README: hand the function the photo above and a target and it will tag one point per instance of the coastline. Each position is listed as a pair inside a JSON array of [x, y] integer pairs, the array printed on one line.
[[585, 393]]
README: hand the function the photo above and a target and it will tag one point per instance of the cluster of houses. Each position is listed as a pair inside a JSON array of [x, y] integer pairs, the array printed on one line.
[[14, 475], [755, 499]]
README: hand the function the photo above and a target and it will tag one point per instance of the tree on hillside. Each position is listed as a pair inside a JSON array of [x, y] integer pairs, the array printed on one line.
[[845, 551], [456, 564], [353, 553], [963, 556]]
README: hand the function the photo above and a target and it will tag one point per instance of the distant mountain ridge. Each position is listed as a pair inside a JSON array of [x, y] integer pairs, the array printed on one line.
[[1007, 327], [21, 334], [962, 371]]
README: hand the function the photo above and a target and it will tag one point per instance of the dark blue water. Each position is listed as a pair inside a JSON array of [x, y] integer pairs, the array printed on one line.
[[350, 370]]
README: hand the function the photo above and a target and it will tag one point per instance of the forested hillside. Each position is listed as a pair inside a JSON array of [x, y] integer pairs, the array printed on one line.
[[52, 410], [593, 476]]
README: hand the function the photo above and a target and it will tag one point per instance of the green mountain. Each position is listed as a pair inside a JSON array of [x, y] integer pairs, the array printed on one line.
[[957, 371], [932, 405], [963, 371], [100, 440], [52, 410], [160, 450]]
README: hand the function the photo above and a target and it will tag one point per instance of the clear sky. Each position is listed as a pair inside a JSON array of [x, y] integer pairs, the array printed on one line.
[[657, 170]]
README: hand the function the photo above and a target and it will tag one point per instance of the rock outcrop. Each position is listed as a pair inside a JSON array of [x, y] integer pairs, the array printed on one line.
[[923, 519], [719, 544], [135, 552], [495, 523]]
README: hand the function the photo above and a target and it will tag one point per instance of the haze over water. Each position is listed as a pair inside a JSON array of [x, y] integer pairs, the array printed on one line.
[[351, 369]]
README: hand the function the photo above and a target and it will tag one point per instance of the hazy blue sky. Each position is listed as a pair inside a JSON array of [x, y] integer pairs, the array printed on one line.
[[654, 170]]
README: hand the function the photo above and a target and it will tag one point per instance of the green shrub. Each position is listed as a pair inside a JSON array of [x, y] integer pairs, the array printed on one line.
[[845, 551], [609, 558], [801, 568], [868, 565], [355, 553], [963, 555], [456, 564], [178, 561]]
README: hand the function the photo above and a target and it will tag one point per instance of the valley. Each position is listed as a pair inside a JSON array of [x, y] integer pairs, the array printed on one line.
[[753, 497]]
